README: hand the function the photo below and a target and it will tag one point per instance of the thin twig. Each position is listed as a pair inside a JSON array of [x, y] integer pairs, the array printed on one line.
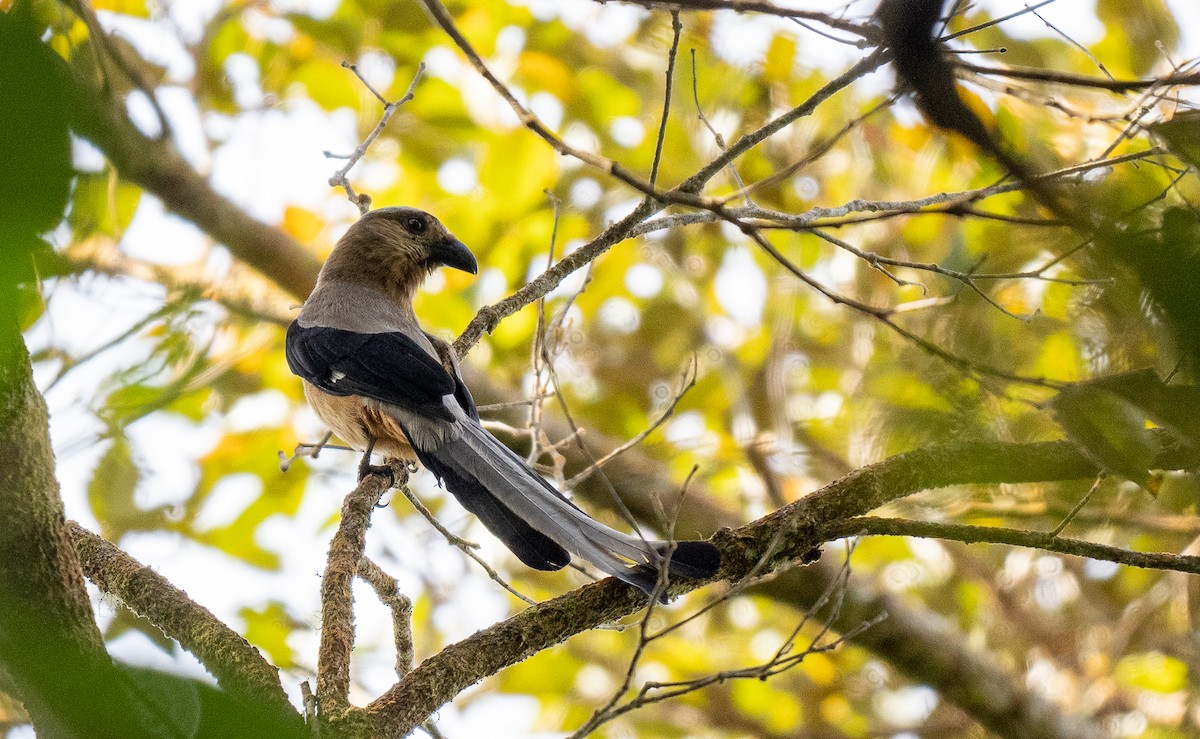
[[686, 382], [866, 31], [488, 407], [1066, 78], [1078, 506], [870, 526], [489, 316], [306, 449], [783, 660], [339, 179], [996, 21], [466, 547], [676, 30], [717, 137], [401, 607], [1099, 64]]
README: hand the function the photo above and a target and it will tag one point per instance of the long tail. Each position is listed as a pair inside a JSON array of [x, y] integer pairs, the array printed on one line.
[[540, 526]]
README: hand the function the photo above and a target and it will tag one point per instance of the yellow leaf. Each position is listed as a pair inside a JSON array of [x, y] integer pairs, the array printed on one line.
[[781, 59], [546, 73], [328, 84], [302, 224], [1153, 671], [124, 7]]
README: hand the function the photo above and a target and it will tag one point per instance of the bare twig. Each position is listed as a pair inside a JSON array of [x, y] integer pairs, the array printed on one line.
[[339, 179], [1075, 80], [487, 318], [312, 451], [867, 32], [388, 590], [1078, 506], [676, 30], [487, 407], [540, 354], [717, 137], [1099, 64], [686, 382], [784, 659], [466, 547], [816, 151], [996, 21]]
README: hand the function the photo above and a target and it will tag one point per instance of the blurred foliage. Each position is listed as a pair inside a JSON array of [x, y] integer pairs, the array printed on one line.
[[188, 366]]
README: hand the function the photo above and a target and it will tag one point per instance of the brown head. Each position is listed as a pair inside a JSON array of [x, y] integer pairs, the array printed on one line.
[[394, 249]]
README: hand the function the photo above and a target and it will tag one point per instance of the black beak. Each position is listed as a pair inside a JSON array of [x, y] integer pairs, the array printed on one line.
[[453, 253]]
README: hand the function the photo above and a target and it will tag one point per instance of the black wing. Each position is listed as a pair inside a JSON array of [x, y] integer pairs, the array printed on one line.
[[390, 368], [461, 393]]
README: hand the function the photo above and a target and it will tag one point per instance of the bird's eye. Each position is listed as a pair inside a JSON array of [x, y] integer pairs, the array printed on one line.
[[414, 225]]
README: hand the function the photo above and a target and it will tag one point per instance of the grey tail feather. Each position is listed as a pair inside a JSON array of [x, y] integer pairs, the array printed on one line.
[[487, 476], [531, 546]]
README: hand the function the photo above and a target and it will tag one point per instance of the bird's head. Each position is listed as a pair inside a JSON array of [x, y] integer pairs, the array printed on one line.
[[414, 237], [395, 248]]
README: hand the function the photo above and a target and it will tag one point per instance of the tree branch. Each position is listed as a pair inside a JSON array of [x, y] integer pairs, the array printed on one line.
[[867, 32], [913, 651], [337, 599], [1076, 80], [785, 536], [157, 166], [50, 646], [233, 661], [871, 526]]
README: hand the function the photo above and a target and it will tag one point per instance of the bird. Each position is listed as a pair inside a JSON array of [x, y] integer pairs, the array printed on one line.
[[384, 385]]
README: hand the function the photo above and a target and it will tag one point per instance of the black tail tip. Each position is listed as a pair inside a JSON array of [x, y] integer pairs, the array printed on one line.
[[695, 560], [692, 560]]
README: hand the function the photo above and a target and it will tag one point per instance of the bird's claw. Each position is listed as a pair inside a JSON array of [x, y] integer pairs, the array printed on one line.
[[366, 469]]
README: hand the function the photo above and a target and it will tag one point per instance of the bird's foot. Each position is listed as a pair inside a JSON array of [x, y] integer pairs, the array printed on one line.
[[396, 470], [377, 469]]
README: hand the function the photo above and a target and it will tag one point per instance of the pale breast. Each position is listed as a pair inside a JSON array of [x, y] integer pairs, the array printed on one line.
[[355, 423]]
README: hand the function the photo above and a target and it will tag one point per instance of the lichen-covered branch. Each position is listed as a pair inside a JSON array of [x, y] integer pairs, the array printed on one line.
[[789, 534], [872, 526], [233, 661], [337, 600]]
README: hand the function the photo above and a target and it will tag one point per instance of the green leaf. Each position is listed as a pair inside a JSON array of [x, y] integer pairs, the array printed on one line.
[[1167, 261], [1182, 134], [269, 629], [103, 205], [111, 493], [1110, 430], [35, 150], [169, 701], [1174, 407], [129, 402]]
